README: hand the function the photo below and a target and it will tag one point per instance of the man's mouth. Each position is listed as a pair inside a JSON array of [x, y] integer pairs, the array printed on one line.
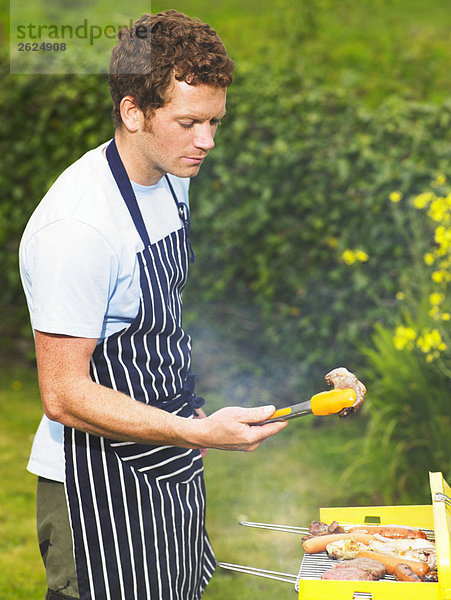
[[194, 160]]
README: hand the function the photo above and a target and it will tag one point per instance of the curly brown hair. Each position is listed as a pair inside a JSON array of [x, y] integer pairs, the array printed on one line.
[[162, 46]]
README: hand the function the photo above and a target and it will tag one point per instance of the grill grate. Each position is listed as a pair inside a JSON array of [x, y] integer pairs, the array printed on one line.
[[314, 565]]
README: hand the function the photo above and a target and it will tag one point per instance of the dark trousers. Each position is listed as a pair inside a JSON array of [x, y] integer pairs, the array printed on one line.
[[55, 540]]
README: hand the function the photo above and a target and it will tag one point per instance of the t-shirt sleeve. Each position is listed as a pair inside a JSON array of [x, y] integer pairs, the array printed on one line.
[[70, 270]]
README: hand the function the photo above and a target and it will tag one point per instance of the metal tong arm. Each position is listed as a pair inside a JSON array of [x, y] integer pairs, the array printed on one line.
[[285, 577], [274, 527], [290, 412]]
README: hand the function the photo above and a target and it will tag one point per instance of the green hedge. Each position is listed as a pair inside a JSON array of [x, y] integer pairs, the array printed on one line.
[[49, 122], [300, 174]]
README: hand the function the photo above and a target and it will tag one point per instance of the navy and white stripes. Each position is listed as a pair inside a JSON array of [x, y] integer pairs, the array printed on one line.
[[153, 353], [139, 537]]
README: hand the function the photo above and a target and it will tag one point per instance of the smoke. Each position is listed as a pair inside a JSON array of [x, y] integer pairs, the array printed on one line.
[[234, 366]]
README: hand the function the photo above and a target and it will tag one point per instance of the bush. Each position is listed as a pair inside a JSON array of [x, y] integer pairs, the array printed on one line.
[[51, 121], [407, 432], [408, 366]]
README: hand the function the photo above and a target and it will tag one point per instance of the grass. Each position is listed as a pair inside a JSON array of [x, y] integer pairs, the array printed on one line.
[[21, 573], [285, 481]]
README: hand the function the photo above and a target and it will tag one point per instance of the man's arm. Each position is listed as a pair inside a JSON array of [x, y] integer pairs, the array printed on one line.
[[69, 396]]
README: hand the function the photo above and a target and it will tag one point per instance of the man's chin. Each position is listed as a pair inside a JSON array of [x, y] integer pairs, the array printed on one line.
[[184, 173]]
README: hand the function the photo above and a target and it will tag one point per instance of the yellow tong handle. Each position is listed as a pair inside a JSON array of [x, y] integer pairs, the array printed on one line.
[[332, 402], [324, 403]]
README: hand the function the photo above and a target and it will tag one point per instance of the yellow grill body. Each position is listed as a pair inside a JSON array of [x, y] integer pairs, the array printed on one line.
[[436, 516]]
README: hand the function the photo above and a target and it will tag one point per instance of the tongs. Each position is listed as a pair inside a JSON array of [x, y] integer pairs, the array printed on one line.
[[324, 403]]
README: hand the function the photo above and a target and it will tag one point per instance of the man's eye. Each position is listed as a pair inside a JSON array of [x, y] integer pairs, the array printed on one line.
[[186, 125]]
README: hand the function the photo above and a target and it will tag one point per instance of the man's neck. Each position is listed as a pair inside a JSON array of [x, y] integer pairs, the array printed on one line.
[[132, 159]]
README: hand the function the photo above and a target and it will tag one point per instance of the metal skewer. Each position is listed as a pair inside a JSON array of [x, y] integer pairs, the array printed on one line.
[[288, 528], [274, 527], [285, 577]]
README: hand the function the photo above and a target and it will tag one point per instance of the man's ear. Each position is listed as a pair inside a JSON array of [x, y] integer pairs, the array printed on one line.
[[132, 116]]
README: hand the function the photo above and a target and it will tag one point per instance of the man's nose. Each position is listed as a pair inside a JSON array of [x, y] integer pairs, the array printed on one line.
[[204, 137]]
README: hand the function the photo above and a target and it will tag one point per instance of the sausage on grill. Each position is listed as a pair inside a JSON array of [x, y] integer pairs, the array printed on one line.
[[404, 573]]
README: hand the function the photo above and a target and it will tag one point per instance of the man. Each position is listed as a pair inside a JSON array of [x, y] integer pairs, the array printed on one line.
[[104, 259]]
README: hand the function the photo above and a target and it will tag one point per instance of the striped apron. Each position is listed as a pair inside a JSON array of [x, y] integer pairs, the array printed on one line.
[[138, 511]]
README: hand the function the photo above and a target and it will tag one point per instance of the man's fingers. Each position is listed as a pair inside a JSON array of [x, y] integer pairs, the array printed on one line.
[[258, 414]]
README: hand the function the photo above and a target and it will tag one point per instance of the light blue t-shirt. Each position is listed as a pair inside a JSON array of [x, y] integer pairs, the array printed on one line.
[[79, 268]]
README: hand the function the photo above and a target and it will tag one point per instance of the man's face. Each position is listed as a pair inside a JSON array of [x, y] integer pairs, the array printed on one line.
[[177, 137]]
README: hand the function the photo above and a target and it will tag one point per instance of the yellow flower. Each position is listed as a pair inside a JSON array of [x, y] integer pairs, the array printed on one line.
[[348, 257], [441, 179], [429, 258], [446, 316], [400, 296], [395, 197], [361, 255], [438, 211], [404, 338], [422, 200], [438, 276], [351, 256], [443, 238], [431, 340], [436, 298]]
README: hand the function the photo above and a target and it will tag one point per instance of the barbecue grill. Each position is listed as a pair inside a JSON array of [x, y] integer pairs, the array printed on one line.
[[433, 519]]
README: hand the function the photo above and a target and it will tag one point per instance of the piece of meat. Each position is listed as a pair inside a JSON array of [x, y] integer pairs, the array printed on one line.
[[370, 566], [342, 379], [335, 527], [319, 528], [346, 574]]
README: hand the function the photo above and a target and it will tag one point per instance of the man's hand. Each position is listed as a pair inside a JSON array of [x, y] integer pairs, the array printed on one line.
[[235, 428]]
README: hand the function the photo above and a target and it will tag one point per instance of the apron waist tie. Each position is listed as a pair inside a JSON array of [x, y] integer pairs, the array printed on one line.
[[187, 395]]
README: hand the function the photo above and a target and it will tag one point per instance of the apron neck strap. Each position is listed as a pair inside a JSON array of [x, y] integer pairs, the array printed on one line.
[[184, 216], [125, 187]]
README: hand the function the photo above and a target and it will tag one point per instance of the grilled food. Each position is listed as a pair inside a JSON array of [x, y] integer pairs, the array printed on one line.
[[372, 567], [390, 531], [391, 562], [405, 573], [344, 549], [343, 379], [320, 542], [410, 549], [342, 574]]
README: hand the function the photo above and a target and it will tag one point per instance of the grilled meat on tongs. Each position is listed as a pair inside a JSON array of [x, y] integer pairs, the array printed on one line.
[[343, 379]]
